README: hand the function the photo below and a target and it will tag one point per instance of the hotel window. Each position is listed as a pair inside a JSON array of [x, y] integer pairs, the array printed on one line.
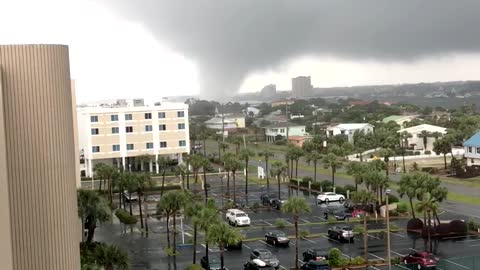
[[161, 115], [129, 129], [95, 149], [115, 130], [180, 114], [148, 116], [163, 144], [94, 131], [114, 117], [181, 125], [148, 128], [478, 150], [149, 145], [130, 146], [162, 127], [469, 149], [93, 118], [115, 147], [182, 143], [128, 116], [282, 130]]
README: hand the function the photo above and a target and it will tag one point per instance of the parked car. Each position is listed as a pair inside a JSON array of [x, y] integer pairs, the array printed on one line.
[[213, 263], [277, 238], [237, 217], [130, 198], [276, 203], [315, 265], [265, 199], [341, 233], [342, 214], [330, 197], [422, 259], [257, 264], [265, 256], [314, 254]]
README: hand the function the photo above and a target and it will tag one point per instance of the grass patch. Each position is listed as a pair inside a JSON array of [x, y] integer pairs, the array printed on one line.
[[461, 198]]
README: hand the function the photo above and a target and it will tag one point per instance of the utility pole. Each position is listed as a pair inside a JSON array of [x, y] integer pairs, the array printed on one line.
[[387, 193], [286, 112], [223, 123]]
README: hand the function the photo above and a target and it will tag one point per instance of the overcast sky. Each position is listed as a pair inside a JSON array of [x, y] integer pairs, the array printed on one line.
[[155, 48]]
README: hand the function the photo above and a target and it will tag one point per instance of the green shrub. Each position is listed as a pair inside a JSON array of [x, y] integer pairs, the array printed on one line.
[[303, 233], [326, 185], [307, 179], [349, 187], [280, 223], [392, 198], [340, 190], [402, 207], [473, 225], [170, 252], [194, 267], [315, 186], [358, 229], [228, 205], [358, 261], [334, 256], [125, 217], [396, 260], [280, 142]]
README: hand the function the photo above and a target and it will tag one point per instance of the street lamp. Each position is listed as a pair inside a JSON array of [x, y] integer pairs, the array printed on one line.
[[387, 192]]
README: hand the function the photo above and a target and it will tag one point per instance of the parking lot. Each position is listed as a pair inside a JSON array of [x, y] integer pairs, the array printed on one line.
[[148, 252]]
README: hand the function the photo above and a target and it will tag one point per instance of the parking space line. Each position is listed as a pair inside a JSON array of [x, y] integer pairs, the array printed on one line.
[[306, 221], [282, 267], [413, 249], [403, 267], [371, 254], [328, 238], [209, 249], [286, 221], [265, 243], [464, 267], [371, 266], [311, 241], [398, 234], [374, 236], [398, 253], [268, 223], [320, 218], [246, 246], [186, 233]]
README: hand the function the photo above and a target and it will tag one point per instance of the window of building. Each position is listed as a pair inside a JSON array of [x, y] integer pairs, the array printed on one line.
[[472, 161], [181, 125], [116, 147], [148, 115], [182, 143], [478, 150], [163, 144], [161, 115], [180, 114], [149, 145], [148, 128], [93, 118], [129, 129], [282, 130], [162, 127], [95, 149], [470, 149], [115, 130], [128, 116], [129, 146], [114, 117], [94, 131]]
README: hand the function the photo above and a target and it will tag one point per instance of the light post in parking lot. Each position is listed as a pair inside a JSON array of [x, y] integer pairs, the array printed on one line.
[[387, 193]]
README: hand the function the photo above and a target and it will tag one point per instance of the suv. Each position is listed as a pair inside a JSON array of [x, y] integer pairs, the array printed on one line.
[[257, 264], [265, 256], [237, 217], [315, 255], [316, 265], [275, 203], [129, 198], [342, 232], [213, 263], [277, 238], [422, 259]]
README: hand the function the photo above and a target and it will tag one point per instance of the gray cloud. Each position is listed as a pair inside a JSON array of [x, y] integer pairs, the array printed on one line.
[[230, 38]]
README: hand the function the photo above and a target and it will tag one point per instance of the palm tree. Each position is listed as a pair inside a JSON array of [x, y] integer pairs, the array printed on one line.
[[358, 170], [424, 135], [266, 154], [164, 207], [99, 172], [187, 158], [196, 161], [181, 170], [376, 181], [192, 211], [296, 154], [227, 164], [237, 141], [330, 161], [224, 146], [278, 169], [92, 208], [364, 197], [222, 234], [246, 154], [120, 185], [427, 205], [109, 256], [233, 164], [296, 206], [207, 216], [404, 136], [172, 203], [162, 163], [408, 187], [205, 163], [142, 160], [130, 184], [386, 153], [313, 157], [443, 146], [144, 181], [204, 136]]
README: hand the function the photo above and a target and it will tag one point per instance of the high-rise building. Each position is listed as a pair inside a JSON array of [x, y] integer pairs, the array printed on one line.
[[117, 135], [302, 86], [269, 91], [38, 202]]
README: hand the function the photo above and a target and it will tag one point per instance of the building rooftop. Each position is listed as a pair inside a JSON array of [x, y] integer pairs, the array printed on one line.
[[473, 141], [283, 124], [420, 128], [352, 126]]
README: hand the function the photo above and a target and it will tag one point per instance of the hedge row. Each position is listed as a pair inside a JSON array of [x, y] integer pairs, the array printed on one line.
[[125, 217]]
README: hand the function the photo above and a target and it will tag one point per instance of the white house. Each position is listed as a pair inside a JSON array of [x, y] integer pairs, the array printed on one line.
[[401, 120], [417, 141], [252, 111], [281, 129], [472, 150], [232, 121], [349, 129]]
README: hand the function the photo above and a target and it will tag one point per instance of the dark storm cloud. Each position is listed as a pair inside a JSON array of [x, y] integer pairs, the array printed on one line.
[[230, 38]]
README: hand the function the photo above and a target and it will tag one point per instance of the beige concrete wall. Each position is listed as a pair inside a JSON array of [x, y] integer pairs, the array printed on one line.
[[40, 168]]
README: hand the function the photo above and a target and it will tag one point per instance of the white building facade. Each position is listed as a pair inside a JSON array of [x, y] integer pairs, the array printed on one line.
[[116, 135], [417, 141], [283, 129], [472, 150], [349, 130]]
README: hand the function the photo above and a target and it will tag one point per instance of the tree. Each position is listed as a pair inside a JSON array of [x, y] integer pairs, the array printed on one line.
[[245, 155], [330, 161], [106, 174], [192, 211], [144, 181], [443, 146], [224, 146], [142, 160], [99, 172], [295, 153], [424, 135], [197, 162], [204, 135], [237, 141], [278, 169], [181, 170], [162, 163], [130, 183], [408, 186], [313, 157], [376, 181], [233, 164], [364, 197], [222, 234], [428, 205], [404, 136], [170, 204], [296, 206], [358, 170], [207, 216], [205, 163], [110, 256], [91, 209], [266, 154]]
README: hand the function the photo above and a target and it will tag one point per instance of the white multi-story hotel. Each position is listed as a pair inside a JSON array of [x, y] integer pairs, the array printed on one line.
[[116, 135]]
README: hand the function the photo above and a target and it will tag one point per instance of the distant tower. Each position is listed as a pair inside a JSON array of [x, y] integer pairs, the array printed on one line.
[[302, 86], [269, 91]]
